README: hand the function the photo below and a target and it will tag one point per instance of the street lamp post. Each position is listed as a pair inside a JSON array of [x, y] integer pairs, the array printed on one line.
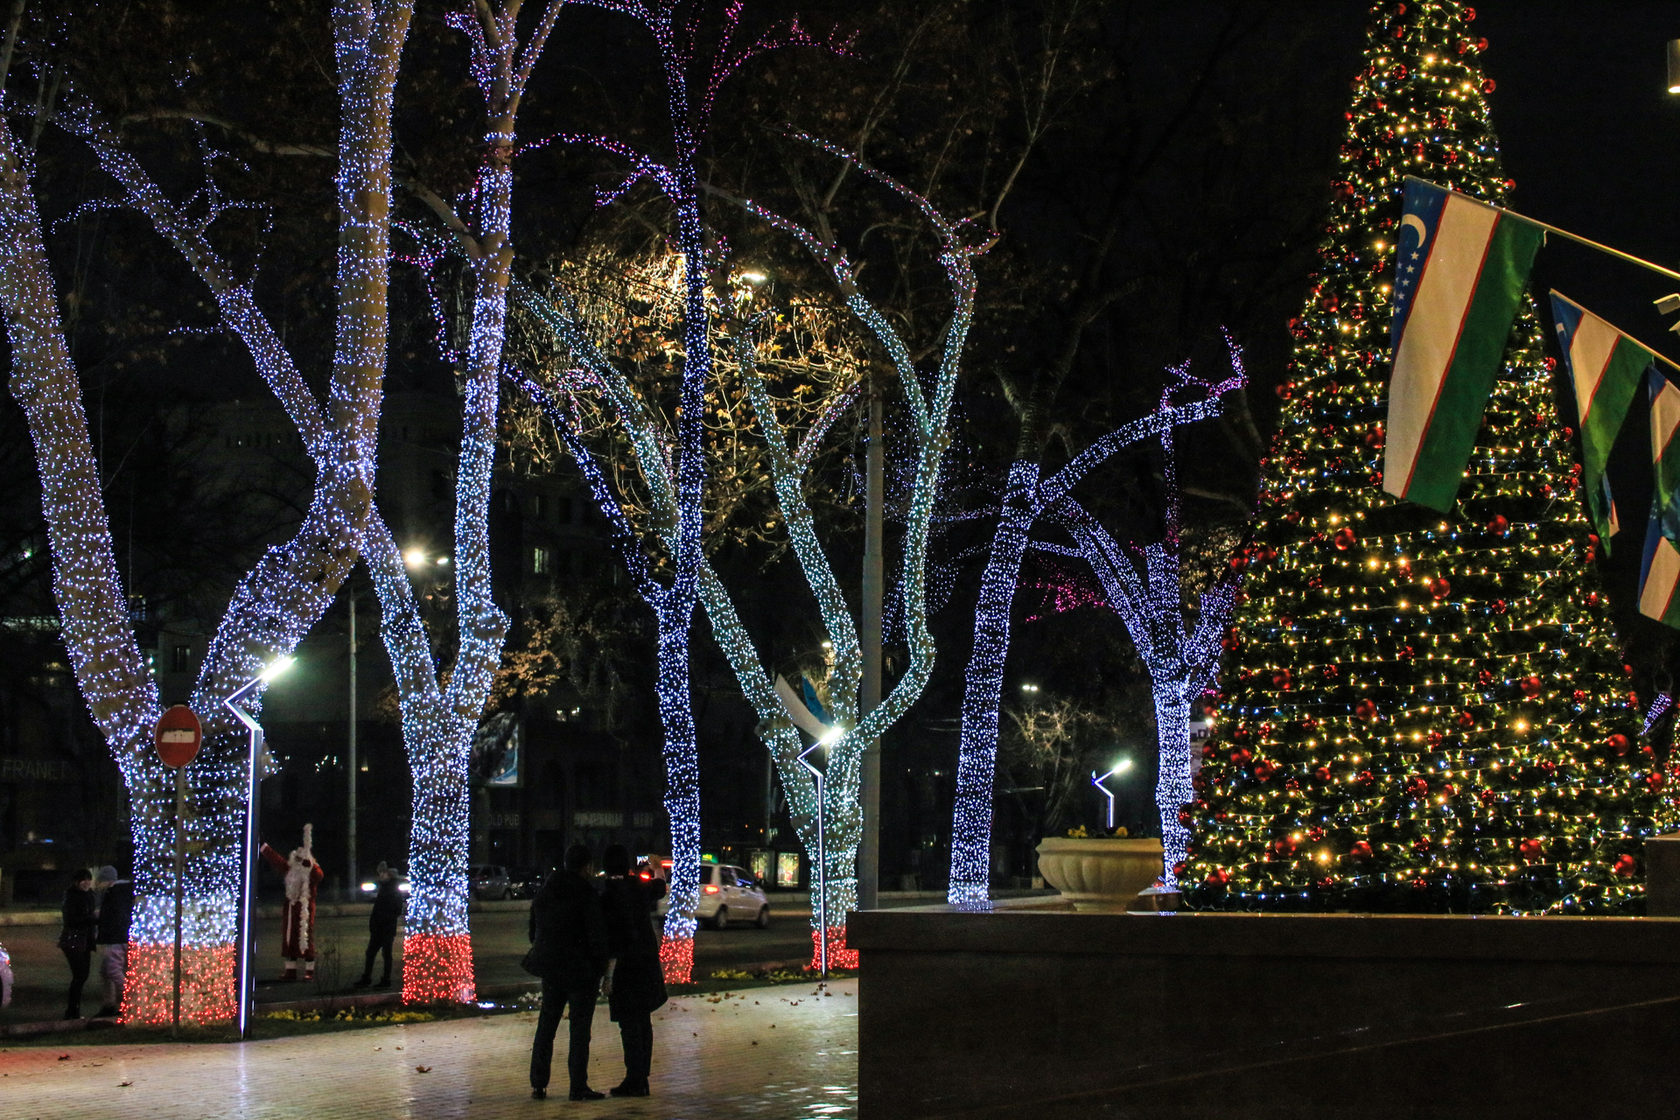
[[1120, 767], [243, 977], [352, 878], [869, 636], [822, 844]]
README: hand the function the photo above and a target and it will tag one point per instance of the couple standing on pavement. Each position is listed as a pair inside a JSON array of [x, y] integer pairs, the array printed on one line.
[[584, 942], [97, 923]]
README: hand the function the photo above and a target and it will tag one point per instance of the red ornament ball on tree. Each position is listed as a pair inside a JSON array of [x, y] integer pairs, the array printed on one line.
[[1439, 588], [1345, 538], [1625, 866], [1361, 850], [1531, 686], [1619, 743], [1531, 849], [1366, 710]]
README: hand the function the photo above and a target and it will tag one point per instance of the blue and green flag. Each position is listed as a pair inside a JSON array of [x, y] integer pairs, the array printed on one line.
[[1606, 367], [1659, 575], [1459, 275]]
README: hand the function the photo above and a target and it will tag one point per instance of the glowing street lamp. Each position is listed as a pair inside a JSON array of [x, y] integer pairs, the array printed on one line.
[[420, 558], [1120, 767], [244, 979], [828, 739]]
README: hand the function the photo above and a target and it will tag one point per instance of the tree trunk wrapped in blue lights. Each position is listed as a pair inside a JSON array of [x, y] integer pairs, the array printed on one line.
[[291, 586], [1152, 605]]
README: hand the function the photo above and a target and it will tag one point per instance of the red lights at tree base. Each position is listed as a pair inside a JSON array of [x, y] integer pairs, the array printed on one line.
[[438, 967], [207, 984], [676, 957], [838, 955]]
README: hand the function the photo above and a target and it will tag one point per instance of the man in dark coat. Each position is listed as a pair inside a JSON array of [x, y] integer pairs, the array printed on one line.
[[569, 952], [635, 978], [382, 924]]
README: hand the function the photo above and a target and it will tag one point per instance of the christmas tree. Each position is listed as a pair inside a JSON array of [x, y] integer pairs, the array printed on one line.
[[1419, 711]]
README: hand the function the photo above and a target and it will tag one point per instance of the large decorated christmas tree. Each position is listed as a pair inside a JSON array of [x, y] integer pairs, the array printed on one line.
[[1419, 711]]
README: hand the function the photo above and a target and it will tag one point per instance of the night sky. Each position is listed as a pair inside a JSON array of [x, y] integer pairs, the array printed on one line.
[[1591, 136]]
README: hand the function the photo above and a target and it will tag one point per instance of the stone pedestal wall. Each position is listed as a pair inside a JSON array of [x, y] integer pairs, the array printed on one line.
[[1035, 1010]]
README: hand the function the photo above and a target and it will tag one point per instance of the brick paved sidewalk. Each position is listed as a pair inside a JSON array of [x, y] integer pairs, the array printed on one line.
[[776, 1053]]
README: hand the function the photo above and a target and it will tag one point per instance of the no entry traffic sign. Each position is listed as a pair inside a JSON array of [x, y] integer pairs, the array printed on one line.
[[178, 736]]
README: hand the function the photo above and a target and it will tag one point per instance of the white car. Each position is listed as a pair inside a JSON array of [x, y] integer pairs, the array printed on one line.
[[727, 894]]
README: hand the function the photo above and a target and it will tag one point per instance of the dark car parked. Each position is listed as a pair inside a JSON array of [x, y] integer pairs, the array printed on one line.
[[489, 881], [525, 882]]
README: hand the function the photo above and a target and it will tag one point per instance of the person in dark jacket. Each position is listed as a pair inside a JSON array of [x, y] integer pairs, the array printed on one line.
[[569, 952], [81, 924], [382, 924], [116, 913], [635, 982]]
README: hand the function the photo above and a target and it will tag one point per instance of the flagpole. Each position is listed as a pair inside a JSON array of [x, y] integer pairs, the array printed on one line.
[[1575, 237]]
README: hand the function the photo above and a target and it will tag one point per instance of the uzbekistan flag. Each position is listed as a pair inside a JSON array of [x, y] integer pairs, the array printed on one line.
[[1606, 367], [1660, 574], [1460, 268]]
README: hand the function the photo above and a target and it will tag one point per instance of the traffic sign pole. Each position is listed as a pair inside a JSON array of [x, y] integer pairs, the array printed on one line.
[[180, 887], [178, 736]]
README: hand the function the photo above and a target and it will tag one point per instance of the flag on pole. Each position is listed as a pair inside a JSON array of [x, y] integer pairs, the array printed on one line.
[[1459, 275], [1606, 367], [1659, 575], [814, 724]]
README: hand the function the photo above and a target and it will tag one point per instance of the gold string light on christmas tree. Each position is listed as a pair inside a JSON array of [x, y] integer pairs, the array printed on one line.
[[1418, 711]]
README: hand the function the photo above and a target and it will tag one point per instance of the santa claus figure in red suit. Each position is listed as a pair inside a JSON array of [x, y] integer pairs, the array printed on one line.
[[303, 877]]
